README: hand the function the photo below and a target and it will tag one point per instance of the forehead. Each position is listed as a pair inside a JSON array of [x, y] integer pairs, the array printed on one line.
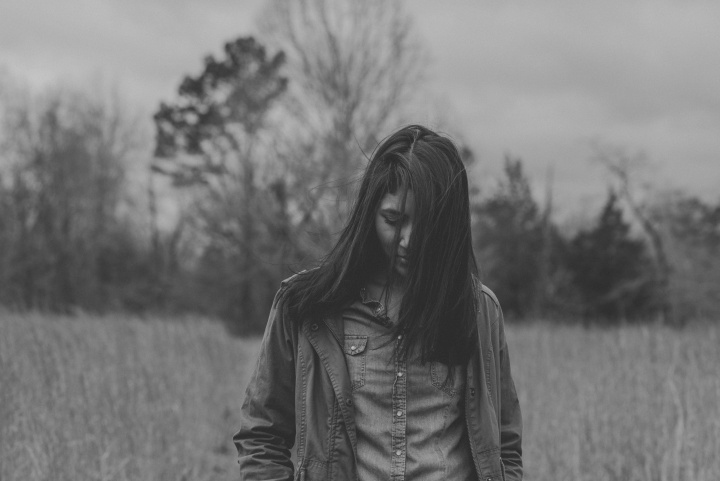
[[393, 201]]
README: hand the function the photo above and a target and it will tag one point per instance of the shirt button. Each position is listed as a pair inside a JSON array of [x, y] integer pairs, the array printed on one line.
[[398, 452], [399, 413], [349, 402], [399, 336], [400, 374], [352, 348], [314, 327]]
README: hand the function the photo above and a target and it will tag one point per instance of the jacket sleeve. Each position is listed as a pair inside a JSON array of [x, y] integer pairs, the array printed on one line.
[[267, 416], [510, 416]]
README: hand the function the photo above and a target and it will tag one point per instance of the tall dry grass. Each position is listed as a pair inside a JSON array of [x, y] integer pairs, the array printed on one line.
[[626, 404], [125, 399], [118, 399]]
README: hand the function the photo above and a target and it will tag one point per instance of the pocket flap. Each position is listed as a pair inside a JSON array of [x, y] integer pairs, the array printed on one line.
[[355, 345]]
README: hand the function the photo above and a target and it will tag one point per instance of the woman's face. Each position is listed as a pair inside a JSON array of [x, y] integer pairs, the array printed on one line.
[[388, 218]]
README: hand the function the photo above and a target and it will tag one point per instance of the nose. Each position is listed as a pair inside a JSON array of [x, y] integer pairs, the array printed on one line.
[[405, 232]]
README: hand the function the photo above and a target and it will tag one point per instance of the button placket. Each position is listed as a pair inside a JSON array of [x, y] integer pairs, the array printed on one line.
[[399, 406]]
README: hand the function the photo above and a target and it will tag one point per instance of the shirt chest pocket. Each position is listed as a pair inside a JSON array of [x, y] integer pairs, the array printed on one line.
[[447, 380], [355, 348]]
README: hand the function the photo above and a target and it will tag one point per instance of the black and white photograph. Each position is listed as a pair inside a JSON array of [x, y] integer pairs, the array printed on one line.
[[359, 240]]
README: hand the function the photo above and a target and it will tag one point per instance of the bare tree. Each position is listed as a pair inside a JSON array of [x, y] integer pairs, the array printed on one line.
[[621, 165], [354, 67], [690, 228], [64, 155], [254, 132]]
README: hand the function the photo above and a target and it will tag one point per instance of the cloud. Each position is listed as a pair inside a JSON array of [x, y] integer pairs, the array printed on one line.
[[539, 80], [543, 80], [147, 45]]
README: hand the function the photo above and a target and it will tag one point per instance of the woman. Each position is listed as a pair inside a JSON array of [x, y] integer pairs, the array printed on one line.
[[389, 360]]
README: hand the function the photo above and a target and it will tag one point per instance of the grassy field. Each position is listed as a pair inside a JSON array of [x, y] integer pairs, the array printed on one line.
[[626, 404], [126, 399]]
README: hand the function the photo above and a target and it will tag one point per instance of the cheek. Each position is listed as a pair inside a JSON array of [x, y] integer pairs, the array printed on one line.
[[385, 234]]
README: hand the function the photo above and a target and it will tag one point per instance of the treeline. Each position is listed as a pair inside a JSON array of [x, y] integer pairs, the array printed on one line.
[[67, 237], [251, 173], [652, 260]]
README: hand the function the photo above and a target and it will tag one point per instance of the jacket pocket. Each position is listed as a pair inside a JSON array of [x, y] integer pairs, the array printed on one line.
[[355, 348]]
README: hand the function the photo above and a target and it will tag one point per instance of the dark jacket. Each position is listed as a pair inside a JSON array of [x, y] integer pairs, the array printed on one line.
[[300, 394]]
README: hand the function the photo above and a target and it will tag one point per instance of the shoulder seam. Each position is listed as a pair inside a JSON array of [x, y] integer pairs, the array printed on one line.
[[485, 289], [490, 294], [286, 281]]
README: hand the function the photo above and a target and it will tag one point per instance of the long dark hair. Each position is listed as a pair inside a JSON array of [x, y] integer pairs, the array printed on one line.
[[437, 314]]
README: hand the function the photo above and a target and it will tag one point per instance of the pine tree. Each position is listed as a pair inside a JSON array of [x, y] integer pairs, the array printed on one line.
[[610, 269], [510, 239]]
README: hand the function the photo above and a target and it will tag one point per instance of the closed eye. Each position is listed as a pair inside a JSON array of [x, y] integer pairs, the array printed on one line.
[[391, 219], [392, 214]]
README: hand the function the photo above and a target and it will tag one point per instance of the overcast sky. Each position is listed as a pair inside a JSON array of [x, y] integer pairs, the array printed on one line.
[[543, 81]]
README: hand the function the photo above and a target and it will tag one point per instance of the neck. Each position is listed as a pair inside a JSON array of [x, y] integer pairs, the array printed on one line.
[[379, 288], [390, 295], [380, 281]]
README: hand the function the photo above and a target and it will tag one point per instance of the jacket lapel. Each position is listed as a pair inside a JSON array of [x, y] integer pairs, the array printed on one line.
[[325, 337]]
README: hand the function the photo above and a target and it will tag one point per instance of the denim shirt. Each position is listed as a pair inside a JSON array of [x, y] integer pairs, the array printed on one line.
[[409, 416], [300, 397]]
